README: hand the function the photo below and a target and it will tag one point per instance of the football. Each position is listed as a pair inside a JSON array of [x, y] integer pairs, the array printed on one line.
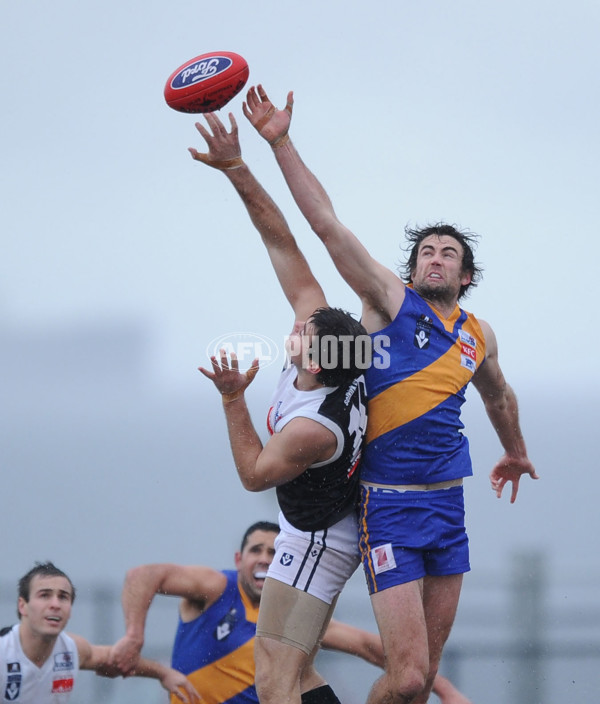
[[206, 83]]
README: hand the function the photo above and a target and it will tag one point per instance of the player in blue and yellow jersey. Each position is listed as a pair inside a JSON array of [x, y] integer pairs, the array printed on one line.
[[217, 622], [426, 351]]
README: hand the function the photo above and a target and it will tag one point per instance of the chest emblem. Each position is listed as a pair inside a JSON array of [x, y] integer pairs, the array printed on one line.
[[423, 332]]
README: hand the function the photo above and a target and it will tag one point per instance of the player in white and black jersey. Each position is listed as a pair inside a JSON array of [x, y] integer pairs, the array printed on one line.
[[318, 422], [39, 662]]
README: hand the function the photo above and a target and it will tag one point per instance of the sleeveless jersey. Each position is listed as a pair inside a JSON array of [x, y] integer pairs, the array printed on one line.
[[327, 491], [24, 682], [216, 650], [422, 364]]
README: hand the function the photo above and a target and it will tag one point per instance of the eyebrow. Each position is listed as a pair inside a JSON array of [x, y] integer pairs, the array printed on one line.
[[446, 247], [48, 590]]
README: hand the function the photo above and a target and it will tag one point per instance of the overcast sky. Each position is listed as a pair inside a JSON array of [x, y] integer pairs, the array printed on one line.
[[481, 114]]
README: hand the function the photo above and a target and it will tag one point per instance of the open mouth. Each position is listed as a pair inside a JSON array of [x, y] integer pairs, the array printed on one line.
[[260, 575]]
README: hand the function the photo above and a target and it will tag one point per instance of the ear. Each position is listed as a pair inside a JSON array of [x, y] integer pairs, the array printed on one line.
[[312, 367], [237, 558], [21, 605], [466, 278]]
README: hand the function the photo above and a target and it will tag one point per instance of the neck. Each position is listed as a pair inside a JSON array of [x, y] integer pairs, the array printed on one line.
[[36, 647], [306, 381]]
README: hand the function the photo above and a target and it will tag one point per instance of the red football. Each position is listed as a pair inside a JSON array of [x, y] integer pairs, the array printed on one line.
[[206, 83]]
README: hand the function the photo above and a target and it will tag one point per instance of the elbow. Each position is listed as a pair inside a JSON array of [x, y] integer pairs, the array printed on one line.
[[253, 484]]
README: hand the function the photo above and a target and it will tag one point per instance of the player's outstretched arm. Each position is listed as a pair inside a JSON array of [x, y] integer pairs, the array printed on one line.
[[376, 285], [174, 682], [197, 584], [501, 406], [355, 641], [286, 455], [295, 277]]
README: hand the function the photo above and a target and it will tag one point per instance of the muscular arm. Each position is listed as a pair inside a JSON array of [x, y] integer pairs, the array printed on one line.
[[348, 639], [98, 659], [299, 285], [502, 409], [284, 457], [198, 586], [380, 290]]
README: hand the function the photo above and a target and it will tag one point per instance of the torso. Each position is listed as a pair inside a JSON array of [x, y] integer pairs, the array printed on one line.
[[326, 491], [23, 682], [216, 650], [416, 387]]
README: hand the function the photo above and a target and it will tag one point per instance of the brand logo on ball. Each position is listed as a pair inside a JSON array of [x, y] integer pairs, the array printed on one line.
[[247, 346], [200, 71]]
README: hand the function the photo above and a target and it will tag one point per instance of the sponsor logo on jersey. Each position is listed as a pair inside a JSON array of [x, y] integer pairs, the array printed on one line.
[[65, 684], [468, 351], [63, 661]]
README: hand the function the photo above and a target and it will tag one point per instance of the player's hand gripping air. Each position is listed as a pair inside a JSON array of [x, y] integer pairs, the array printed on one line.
[[224, 152], [226, 375], [270, 123]]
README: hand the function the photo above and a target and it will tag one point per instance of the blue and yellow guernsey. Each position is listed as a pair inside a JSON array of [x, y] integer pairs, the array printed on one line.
[[216, 650], [422, 364]]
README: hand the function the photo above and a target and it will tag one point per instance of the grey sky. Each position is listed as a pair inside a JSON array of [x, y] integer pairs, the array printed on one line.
[[481, 114]]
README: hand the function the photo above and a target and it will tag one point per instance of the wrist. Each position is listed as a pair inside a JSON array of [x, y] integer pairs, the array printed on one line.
[[233, 396], [280, 141], [227, 164]]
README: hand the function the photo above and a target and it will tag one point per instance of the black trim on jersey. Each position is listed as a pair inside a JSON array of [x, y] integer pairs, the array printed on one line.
[[5, 631]]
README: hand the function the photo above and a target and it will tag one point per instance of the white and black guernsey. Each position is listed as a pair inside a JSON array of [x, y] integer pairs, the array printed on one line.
[[327, 491]]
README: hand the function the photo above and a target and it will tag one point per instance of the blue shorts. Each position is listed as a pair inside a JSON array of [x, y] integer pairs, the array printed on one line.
[[407, 535]]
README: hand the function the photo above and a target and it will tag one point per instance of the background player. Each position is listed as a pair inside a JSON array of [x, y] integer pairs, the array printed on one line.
[[39, 662]]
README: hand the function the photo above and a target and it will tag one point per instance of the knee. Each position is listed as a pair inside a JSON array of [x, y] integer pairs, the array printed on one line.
[[406, 684]]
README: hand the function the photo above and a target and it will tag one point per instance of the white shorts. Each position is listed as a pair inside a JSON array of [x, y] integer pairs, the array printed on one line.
[[319, 562]]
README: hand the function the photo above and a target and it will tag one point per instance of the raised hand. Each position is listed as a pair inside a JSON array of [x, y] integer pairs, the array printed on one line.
[[224, 151], [226, 376], [270, 123]]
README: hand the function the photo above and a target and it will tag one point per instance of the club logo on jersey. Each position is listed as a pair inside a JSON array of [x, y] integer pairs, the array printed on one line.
[[468, 351], [383, 558], [423, 332], [286, 559], [226, 625], [63, 685], [13, 681], [63, 661]]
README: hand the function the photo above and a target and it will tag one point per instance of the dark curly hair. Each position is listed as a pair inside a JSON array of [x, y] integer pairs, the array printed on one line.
[[468, 241], [334, 325]]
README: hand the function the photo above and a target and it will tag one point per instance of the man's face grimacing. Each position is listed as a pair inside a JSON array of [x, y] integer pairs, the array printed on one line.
[[439, 274], [49, 607], [253, 562]]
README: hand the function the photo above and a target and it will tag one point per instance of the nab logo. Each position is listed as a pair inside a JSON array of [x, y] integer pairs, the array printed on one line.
[[286, 559]]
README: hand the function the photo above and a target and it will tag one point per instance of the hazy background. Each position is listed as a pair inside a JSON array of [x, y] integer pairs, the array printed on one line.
[[122, 258]]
